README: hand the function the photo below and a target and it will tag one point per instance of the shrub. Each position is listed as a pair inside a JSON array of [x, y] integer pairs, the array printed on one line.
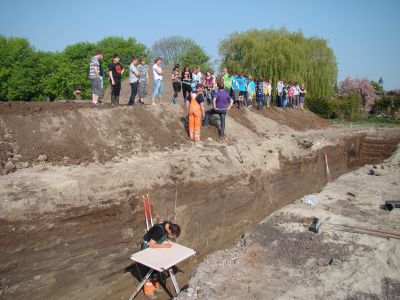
[[360, 87], [348, 107], [341, 107], [387, 107], [323, 107]]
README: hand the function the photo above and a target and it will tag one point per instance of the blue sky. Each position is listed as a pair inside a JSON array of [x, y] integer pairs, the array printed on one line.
[[363, 34]]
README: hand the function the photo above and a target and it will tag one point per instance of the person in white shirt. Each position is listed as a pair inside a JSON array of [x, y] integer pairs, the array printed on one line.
[[195, 78], [133, 80], [157, 73], [200, 75], [296, 94], [279, 91]]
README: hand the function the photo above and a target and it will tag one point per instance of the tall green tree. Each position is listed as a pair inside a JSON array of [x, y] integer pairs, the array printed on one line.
[[28, 74], [17, 72], [178, 50], [377, 87], [276, 54]]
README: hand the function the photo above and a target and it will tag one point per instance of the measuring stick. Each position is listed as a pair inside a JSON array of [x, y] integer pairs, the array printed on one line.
[[327, 167], [145, 212], [150, 213]]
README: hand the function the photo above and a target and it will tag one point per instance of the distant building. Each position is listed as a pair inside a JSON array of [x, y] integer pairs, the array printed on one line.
[[380, 82]]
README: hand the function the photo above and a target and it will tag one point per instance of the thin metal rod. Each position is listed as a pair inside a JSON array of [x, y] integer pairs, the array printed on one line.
[[171, 273], [141, 284], [176, 199], [150, 213], [145, 212]]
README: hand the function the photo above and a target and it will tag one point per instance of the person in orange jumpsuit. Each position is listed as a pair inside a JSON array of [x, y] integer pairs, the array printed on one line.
[[196, 112]]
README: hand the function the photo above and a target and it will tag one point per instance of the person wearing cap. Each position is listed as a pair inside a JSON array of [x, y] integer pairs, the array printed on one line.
[[196, 112]]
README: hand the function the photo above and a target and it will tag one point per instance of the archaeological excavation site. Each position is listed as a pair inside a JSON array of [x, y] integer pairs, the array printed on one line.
[[71, 210]]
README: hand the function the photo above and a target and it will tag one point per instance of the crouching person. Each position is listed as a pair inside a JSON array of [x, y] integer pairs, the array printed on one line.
[[159, 234], [158, 237], [222, 103]]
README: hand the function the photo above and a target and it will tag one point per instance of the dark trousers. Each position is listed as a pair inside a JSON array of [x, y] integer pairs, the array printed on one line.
[[186, 89], [291, 102], [279, 100], [222, 116], [244, 95], [260, 100], [116, 88], [134, 90]]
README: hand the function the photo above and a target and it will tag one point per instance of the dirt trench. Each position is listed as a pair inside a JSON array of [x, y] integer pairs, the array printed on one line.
[[82, 252]]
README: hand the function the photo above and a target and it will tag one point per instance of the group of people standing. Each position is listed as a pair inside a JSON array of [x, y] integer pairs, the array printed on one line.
[[138, 78], [196, 89], [290, 95], [243, 89], [221, 92], [225, 90]]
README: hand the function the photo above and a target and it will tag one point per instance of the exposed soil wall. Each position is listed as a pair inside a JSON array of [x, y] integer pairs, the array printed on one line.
[[81, 253], [354, 255], [67, 230]]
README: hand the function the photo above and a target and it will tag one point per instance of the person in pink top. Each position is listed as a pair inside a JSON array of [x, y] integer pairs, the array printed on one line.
[[209, 85], [290, 95]]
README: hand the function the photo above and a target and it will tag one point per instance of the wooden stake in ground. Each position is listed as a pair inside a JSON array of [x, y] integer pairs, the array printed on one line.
[[327, 167]]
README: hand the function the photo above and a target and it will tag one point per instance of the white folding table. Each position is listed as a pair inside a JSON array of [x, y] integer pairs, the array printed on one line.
[[161, 260]]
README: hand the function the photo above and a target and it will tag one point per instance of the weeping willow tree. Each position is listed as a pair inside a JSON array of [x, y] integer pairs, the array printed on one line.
[[275, 54]]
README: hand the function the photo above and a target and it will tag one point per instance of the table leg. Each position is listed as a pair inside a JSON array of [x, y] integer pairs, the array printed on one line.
[[141, 284], [171, 273]]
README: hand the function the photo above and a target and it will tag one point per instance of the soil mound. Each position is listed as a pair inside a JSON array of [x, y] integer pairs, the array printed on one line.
[[75, 132]]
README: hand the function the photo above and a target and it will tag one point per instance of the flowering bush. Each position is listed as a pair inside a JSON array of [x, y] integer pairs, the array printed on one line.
[[360, 87]]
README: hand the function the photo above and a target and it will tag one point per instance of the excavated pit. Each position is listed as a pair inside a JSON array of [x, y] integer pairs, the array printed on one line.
[[69, 222]]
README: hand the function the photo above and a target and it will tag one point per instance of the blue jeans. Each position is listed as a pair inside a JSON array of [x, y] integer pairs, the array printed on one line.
[[284, 102], [158, 88], [279, 100]]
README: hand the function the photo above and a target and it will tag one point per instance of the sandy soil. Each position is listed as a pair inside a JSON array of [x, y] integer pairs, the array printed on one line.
[[72, 176], [281, 259]]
